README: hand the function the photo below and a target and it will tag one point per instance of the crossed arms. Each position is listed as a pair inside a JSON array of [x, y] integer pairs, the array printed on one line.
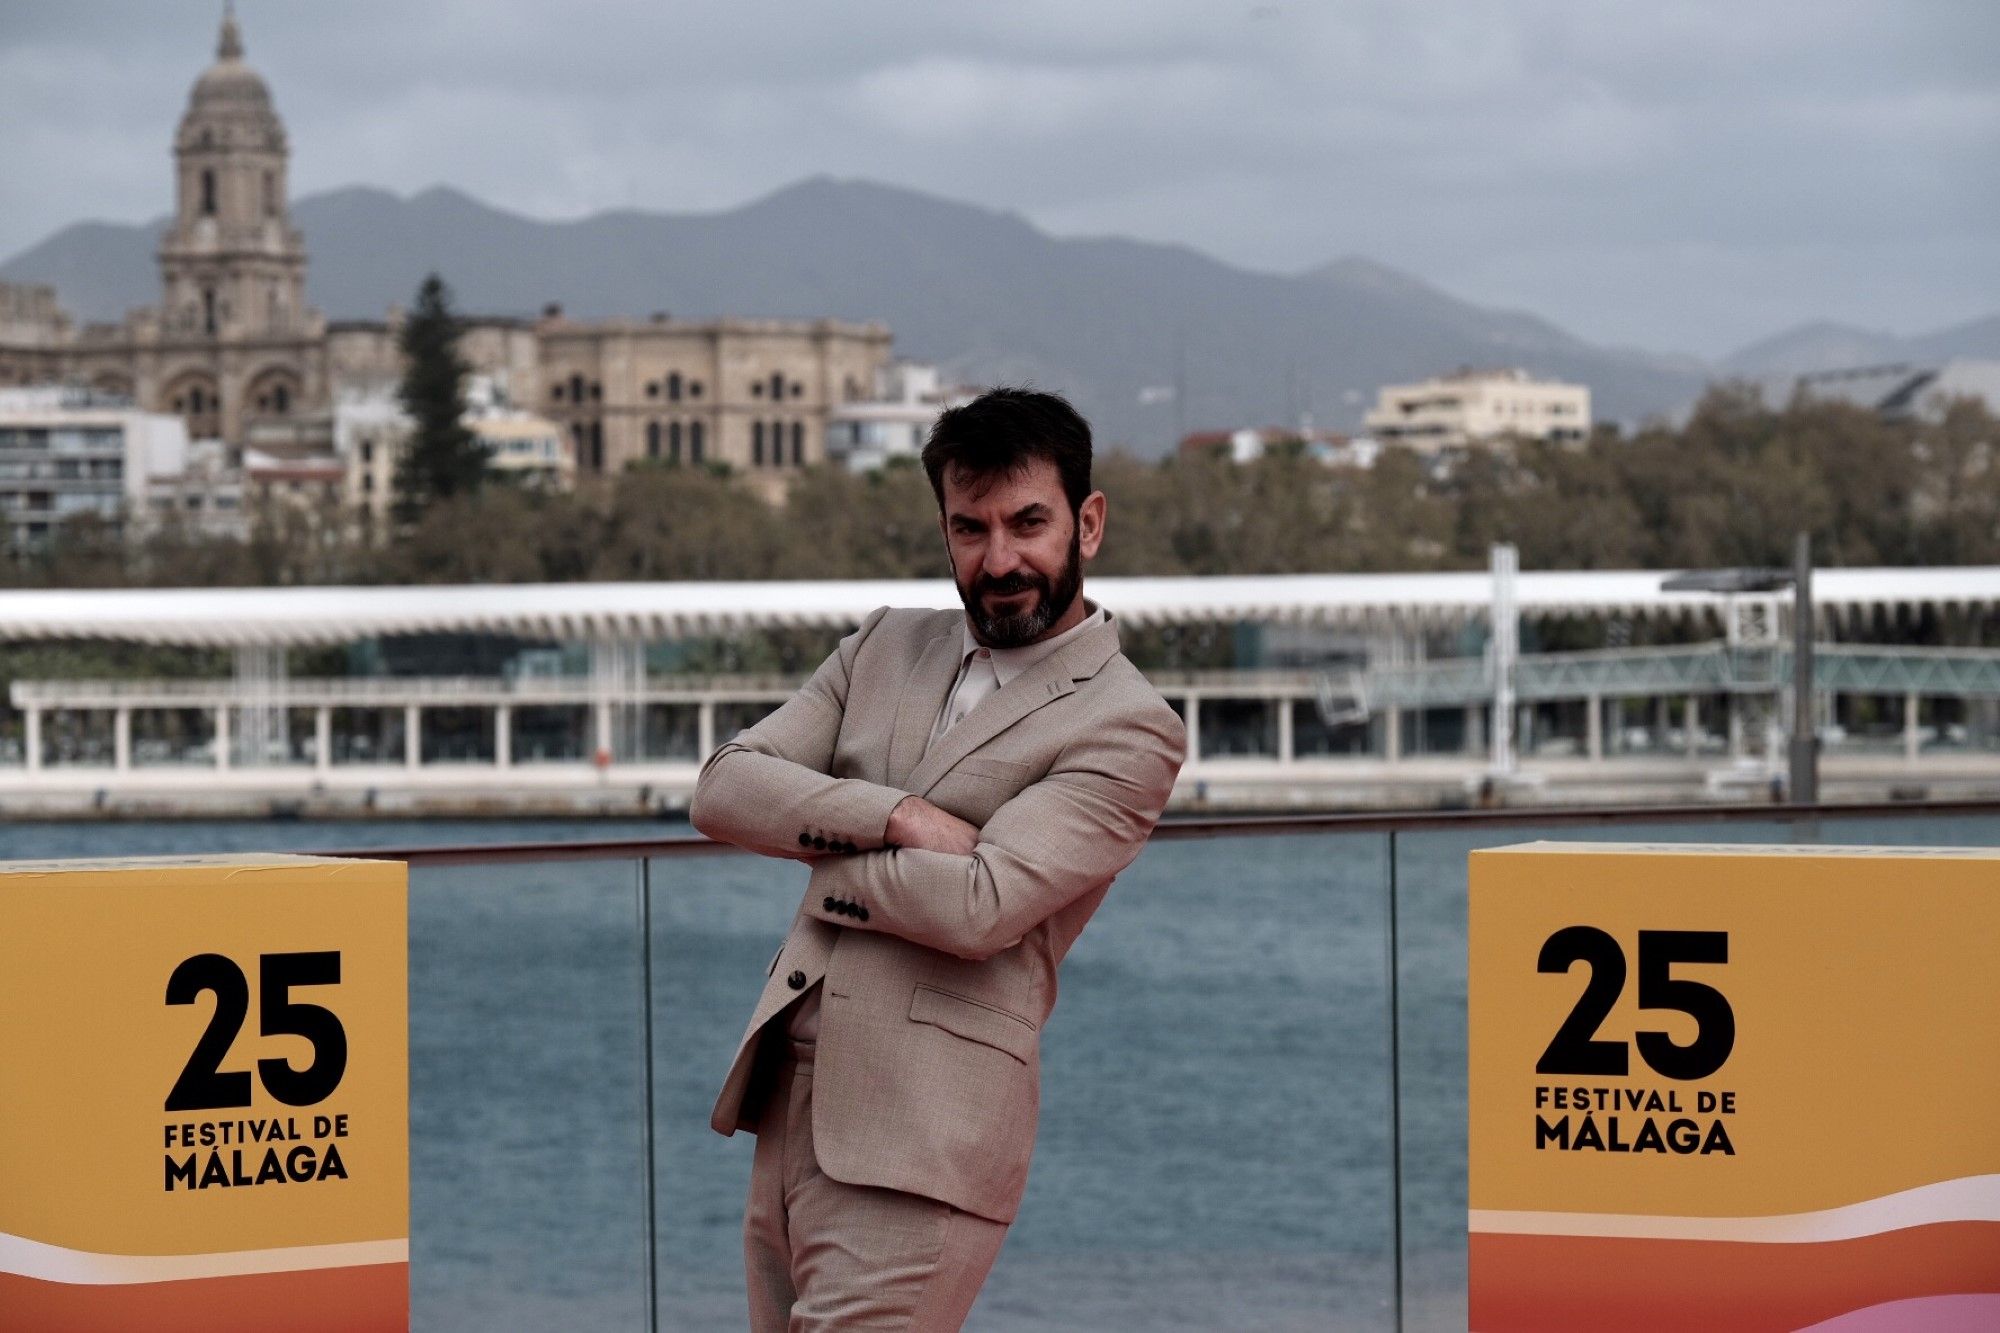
[[924, 874]]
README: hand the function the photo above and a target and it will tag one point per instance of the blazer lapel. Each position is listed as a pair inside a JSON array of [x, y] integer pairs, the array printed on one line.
[[923, 696], [1044, 682]]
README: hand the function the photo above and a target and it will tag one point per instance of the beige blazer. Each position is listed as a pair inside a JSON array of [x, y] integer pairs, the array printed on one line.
[[938, 971]]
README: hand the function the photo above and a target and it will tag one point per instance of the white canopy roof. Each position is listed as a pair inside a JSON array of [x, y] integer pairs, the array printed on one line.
[[293, 617]]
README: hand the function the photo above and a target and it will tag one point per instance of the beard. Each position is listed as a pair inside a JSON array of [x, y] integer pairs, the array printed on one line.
[[1022, 628]]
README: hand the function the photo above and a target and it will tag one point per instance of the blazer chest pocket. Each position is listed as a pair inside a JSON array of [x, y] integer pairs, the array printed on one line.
[[984, 1023], [1001, 770]]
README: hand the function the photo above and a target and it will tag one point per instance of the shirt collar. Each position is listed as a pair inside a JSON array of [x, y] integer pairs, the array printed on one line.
[[1011, 662]]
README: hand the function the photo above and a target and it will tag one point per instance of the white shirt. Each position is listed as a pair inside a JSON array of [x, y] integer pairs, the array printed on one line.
[[981, 671]]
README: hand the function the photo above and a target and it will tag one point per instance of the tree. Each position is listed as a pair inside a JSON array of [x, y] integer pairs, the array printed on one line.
[[443, 460]]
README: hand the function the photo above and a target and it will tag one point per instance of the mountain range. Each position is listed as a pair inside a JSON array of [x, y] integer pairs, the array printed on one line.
[[984, 293]]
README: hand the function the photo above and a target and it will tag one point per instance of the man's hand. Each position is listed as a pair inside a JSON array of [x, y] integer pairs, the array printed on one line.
[[917, 823]]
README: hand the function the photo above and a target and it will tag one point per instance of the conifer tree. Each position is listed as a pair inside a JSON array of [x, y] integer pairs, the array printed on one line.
[[443, 459]]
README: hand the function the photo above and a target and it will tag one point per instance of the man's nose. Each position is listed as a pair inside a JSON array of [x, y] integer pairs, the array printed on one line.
[[1001, 557]]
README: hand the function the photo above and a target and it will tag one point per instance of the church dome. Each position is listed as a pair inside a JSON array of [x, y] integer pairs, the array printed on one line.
[[230, 105]]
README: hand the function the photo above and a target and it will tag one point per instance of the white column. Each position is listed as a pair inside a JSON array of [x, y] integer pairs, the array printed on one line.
[[1285, 706], [222, 755], [704, 730], [1191, 718], [1392, 734], [503, 735], [323, 738], [32, 737], [1594, 728], [606, 742], [413, 736], [1912, 743], [121, 739], [1690, 725]]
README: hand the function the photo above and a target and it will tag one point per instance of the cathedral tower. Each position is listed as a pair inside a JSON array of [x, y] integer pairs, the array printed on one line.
[[233, 265]]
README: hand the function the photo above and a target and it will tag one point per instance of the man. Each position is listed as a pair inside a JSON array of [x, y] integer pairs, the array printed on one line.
[[964, 786]]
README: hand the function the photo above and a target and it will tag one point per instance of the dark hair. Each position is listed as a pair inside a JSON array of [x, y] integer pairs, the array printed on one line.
[[1001, 430]]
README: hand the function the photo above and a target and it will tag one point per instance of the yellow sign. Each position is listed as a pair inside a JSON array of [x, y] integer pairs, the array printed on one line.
[[204, 1092], [1734, 1088]]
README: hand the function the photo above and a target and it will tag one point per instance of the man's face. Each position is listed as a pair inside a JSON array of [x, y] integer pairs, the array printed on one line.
[[1017, 553]]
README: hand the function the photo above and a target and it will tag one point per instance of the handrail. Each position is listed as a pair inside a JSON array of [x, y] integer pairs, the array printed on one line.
[[1234, 826]]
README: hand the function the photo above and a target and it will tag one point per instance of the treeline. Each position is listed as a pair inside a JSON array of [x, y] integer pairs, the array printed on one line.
[[1730, 487]]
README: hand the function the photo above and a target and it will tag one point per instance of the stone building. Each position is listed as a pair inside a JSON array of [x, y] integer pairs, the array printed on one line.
[[236, 352]]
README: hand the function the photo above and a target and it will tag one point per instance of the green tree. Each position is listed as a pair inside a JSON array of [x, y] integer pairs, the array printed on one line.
[[443, 460]]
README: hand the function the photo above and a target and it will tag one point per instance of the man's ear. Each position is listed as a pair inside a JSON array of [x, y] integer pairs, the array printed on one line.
[[1090, 524]]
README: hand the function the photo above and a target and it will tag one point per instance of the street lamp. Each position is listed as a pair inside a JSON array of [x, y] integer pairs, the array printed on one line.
[[1805, 743]]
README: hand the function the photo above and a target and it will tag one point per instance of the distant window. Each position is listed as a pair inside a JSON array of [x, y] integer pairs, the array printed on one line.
[[576, 388], [777, 444], [208, 309], [556, 392], [694, 388], [596, 391], [281, 401], [674, 387], [207, 193], [757, 388], [597, 446], [798, 444], [694, 442], [798, 389], [367, 452], [270, 194], [777, 386], [652, 439], [757, 443], [674, 441], [652, 388]]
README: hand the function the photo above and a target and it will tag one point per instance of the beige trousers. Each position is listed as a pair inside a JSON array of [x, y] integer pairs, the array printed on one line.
[[821, 1255]]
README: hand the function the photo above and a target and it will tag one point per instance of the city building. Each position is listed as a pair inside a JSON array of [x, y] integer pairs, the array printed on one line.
[[1899, 392], [1249, 443], [895, 420], [234, 350], [65, 452], [204, 496], [1469, 406]]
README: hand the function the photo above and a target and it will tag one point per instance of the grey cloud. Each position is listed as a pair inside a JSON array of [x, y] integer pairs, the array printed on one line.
[[1687, 176]]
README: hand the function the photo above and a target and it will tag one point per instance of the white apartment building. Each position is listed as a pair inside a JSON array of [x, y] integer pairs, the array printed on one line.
[[909, 397], [1459, 409], [370, 432], [68, 451], [206, 495]]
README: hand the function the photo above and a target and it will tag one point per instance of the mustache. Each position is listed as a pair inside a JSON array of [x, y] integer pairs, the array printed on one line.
[[1012, 583]]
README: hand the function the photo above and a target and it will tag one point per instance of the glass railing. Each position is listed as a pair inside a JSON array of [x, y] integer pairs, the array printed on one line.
[[1254, 1087]]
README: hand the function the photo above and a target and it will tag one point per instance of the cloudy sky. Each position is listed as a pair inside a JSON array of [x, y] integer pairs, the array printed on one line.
[[1686, 175]]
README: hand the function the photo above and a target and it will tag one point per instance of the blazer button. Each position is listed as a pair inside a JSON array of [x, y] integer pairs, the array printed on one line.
[[861, 912], [819, 844], [797, 981], [830, 905], [805, 839]]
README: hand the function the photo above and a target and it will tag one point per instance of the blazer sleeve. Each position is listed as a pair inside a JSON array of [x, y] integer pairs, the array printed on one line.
[[1076, 828], [768, 790]]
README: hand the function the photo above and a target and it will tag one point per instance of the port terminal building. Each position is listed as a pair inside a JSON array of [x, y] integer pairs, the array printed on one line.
[[1351, 691]]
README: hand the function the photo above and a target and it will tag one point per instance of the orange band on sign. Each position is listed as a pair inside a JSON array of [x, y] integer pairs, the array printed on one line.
[[374, 1299]]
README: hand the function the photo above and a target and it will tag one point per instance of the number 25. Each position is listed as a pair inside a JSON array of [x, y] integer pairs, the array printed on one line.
[[1576, 1048], [204, 1085]]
